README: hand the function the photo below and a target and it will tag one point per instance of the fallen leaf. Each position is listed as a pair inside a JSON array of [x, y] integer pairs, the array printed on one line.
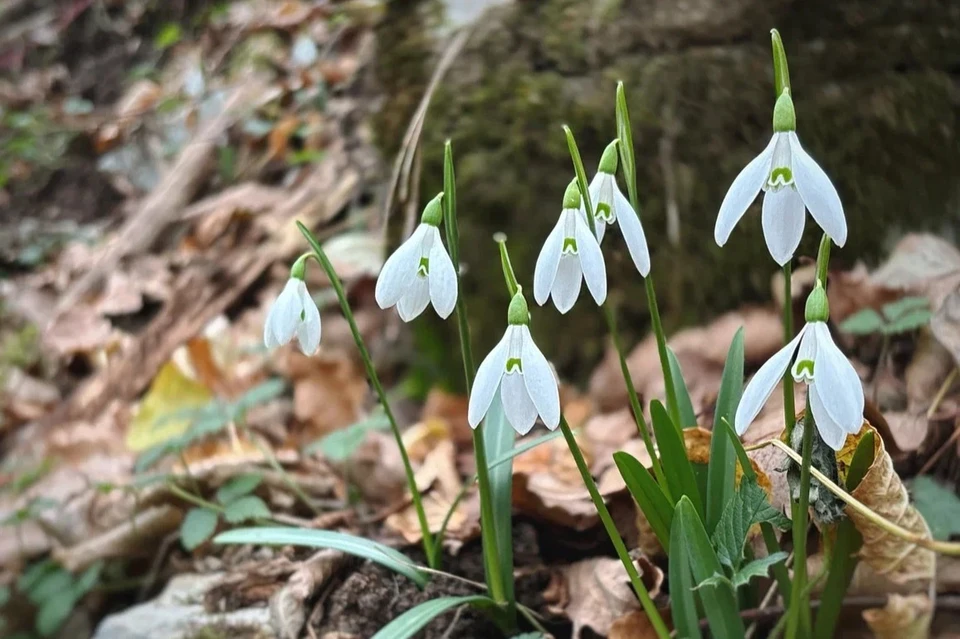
[[633, 625], [548, 486], [902, 618], [923, 263], [288, 606], [928, 368], [164, 411], [329, 391], [80, 330], [945, 324], [451, 409]]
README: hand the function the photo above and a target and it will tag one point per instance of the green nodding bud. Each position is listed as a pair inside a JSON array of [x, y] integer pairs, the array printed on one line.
[[433, 212], [299, 268], [517, 312], [608, 161], [784, 117], [571, 197], [818, 308]]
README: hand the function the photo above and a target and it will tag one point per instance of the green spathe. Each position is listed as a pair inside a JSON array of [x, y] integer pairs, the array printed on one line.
[[433, 212], [608, 161], [818, 308], [571, 197], [784, 117], [299, 268], [517, 312]]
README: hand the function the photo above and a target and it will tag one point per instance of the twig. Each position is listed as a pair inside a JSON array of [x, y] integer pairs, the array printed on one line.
[[940, 451], [947, 383]]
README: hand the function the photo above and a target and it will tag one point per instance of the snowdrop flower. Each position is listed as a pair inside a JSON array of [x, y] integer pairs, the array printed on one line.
[[570, 254], [610, 206], [420, 271], [294, 313], [835, 391], [791, 181], [519, 371]]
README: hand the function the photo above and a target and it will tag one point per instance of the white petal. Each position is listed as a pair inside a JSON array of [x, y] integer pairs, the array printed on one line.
[[633, 234], [398, 271], [783, 216], [757, 392], [840, 387], [591, 261], [487, 380], [540, 381], [443, 279], [806, 353], [566, 286], [818, 193], [545, 272], [517, 405], [830, 431], [742, 193], [415, 299], [308, 333], [284, 317]]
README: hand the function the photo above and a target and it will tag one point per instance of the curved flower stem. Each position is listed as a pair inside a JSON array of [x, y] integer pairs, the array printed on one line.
[[648, 606], [789, 407], [797, 608], [321, 257]]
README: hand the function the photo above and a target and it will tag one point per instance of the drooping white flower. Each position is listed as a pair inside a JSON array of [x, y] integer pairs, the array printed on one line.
[[294, 313], [420, 271], [835, 391], [570, 255], [520, 373], [791, 181], [610, 206]]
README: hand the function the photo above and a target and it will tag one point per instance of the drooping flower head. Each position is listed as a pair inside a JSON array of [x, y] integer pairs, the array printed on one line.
[[420, 271], [610, 206], [294, 313], [791, 181], [835, 391], [570, 255], [520, 373]]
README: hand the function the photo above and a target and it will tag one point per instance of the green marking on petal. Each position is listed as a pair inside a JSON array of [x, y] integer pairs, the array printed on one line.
[[514, 363], [569, 245], [604, 212], [805, 365], [423, 269], [781, 176]]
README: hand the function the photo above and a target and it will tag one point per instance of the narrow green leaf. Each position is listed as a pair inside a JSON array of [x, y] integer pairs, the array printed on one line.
[[358, 546], [748, 506], [844, 558], [781, 72], [757, 568], [683, 597], [863, 322], [720, 602], [628, 163], [413, 620], [688, 419], [581, 174], [245, 509], [648, 495], [676, 465], [197, 527], [525, 445], [498, 438], [862, 460], [238, 487], [450, 204], [722, 468]]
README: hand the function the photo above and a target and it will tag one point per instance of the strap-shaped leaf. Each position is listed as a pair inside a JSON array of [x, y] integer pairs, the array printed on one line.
[[683, 596], [688, 419], [722, 471], [676, 465], [410, 622], [648, 495]]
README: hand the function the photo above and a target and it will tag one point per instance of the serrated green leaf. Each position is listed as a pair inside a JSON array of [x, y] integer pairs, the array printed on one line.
[[245, 509], [197, 527], [358, 546], [722, 468], [688, 419], [676, 465], [863, 322], [910, 321], [683, 598], [938, 504], [715, 580], [410, 622], [748, 506], [259, 394], [648, 495], [238, 487], [903, 306], [757, 568]]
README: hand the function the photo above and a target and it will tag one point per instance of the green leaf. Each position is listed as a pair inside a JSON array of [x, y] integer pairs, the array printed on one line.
[[36, 574], [648, 495], [238, 487], [905, 306], [844, 558], [245, 509], [89, 579], [168, 36], [720, 602], [910, 321], [410, 622], [54, 611], [498, 438], [628, 163], [341, 444], [688, 419], [938, 504], [757, 568], [197, 527], [525, 445], [51, 583], [722, 468], [683, 597], [861, 462], [259, 394], [358, 546], [676, 465], [863, 322], [748, 506], [450, 203]]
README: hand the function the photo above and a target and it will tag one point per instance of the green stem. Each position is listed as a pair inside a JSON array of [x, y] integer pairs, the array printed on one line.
[[789, 407], [193, 499], [284, 475], [321, 257], [823, 259], [800, 529], [635, 405], [652, 613], [673, 407]]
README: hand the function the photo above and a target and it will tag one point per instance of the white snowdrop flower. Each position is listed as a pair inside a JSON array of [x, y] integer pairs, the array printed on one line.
[[519, 371], [294, 313], [610, 206], [420, 271], [791, 181], [570, 255], [835, 391]]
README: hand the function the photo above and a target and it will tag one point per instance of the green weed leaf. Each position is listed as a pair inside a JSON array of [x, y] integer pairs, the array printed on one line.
[[238, 487], [748, 506], [245, 509], [197, 527]]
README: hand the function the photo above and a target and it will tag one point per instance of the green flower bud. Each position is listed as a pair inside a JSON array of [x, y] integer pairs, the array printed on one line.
[[433, 213], [818, 308], [784, 117], [517, 312], [571, 197], [299, 268], [608, 161]]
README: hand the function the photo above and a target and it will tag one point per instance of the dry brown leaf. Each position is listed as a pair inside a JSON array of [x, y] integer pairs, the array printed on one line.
[[634, 625], [909, 429], [902, 618], [922, 263], [328, 391], [945, 324], [81, 329], [288, 606], [851, 291], [452, 409], [928, 368]]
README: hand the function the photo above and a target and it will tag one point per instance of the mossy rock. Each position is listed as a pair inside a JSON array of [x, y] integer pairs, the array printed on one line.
[[877, 105]]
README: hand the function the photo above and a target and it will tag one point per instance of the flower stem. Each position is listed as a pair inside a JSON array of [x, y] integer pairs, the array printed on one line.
[[789, 407], [648, 606], [800, 528], [321, 257]]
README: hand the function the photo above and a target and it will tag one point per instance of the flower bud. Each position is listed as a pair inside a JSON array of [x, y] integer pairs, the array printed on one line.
[[818, 308], [433, 213], [571, 197], [517, 312], [608, 161], [299, 268]]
